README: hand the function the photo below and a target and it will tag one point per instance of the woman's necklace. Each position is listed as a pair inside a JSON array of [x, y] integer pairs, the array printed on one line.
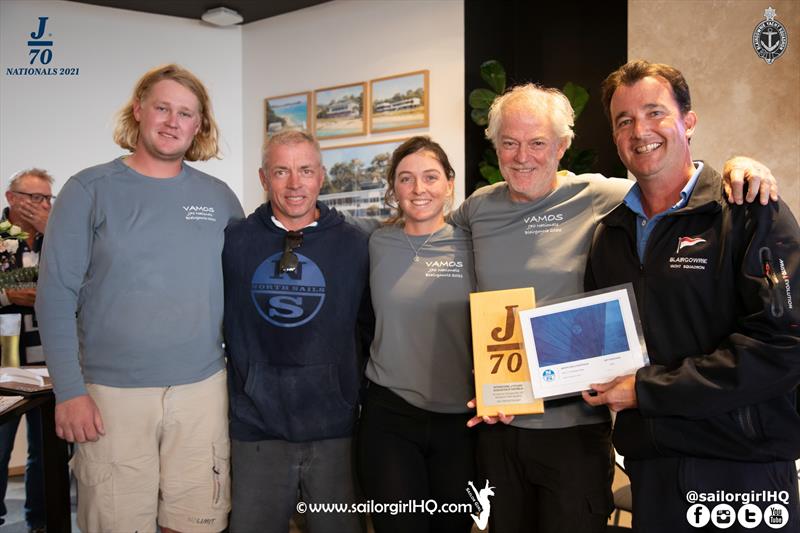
[[417, 250]]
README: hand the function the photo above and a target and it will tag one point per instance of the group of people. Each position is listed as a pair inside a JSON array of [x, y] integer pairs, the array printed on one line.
[[335, 353]]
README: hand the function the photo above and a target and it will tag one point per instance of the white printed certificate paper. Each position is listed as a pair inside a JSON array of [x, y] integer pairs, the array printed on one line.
[[576, 342]]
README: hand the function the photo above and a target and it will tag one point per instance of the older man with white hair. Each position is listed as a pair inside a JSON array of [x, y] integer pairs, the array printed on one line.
[[552, 472]]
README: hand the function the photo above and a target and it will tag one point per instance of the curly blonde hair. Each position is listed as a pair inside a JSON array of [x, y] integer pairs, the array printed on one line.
[[205, 144]]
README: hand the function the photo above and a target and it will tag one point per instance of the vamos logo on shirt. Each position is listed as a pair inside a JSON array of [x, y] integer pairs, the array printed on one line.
[[288, 299], [199, 212], [444, 269], [538, 224]]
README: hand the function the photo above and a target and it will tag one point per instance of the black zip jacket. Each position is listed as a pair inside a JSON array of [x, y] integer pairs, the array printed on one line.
[[718, 297], [295, 341]]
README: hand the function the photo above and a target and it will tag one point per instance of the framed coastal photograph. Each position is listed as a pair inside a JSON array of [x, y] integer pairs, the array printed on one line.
[[399, 102], [355, 177], [288, 112], [339, 111]]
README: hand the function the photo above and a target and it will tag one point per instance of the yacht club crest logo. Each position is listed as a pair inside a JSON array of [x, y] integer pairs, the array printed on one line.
[[769, 37]]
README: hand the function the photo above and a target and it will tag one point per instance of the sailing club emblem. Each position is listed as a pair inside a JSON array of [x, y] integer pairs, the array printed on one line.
[[769, 37]]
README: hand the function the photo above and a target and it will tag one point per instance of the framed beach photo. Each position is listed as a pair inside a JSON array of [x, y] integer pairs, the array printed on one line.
[[339, 111], [590, 338], [399, 102], [288, 112], [355, 177]]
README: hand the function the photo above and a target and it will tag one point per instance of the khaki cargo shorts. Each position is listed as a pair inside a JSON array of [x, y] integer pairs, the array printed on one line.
[[164, 459]]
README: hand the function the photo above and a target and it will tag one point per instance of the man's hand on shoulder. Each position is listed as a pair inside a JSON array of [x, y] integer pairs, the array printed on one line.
[[761, 183], [78, 420]]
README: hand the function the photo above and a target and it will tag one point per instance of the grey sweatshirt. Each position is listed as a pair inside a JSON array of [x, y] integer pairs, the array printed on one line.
[[130, 288], [421, 350]]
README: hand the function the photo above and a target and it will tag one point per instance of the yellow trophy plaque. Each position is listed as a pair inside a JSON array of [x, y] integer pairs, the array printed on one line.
[[502, 378]]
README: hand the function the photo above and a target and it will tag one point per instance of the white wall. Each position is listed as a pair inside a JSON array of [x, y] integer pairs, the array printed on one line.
[[64, 123], [349, 41]]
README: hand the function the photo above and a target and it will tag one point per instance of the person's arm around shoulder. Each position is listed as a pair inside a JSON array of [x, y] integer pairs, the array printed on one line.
[[62, 269], [460, 216], [761, 184]]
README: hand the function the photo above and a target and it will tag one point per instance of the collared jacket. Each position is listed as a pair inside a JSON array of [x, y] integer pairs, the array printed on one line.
[[295, 341], [717, 293]]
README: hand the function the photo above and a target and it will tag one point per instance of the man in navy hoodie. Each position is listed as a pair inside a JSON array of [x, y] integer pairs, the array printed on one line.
[[297, 319]]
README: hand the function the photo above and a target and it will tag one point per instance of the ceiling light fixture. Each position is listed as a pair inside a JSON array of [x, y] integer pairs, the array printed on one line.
[[222, 16]]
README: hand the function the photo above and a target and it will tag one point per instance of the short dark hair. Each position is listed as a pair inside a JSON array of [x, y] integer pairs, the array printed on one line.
[[633, 71], [420, 143]]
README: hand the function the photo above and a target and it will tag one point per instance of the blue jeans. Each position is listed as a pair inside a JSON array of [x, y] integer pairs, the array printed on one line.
[[34, 469]]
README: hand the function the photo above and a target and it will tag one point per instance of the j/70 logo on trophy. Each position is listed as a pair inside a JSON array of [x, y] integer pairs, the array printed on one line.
[[769, 37], [498, 351]]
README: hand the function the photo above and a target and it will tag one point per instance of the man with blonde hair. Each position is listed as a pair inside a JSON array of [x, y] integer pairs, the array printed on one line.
[[552, 472], [130, 310]]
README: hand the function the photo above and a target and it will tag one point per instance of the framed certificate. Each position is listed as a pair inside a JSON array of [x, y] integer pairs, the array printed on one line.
[[590, 339]]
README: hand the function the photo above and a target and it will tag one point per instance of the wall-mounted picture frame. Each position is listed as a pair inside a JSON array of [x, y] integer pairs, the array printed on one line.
[[288, 112], [399, 102], [340, 111], [355, 177]]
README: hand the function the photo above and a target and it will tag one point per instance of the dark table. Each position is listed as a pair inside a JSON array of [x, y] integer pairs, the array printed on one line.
[[56, 471]]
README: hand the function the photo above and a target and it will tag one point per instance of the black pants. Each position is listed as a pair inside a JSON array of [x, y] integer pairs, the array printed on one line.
[[547, 480], [660, 487], [407, 453]]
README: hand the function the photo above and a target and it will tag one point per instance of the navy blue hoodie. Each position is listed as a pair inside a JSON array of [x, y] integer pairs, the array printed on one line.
[[295, 341]]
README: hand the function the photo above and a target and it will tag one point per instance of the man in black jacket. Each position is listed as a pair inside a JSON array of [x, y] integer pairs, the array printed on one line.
[[712, 422], [297, 319]]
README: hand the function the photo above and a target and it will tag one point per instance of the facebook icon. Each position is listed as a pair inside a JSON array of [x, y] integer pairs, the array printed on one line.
[[698, 515]]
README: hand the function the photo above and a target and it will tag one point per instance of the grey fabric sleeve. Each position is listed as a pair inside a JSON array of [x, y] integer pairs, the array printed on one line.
[[65, 258]]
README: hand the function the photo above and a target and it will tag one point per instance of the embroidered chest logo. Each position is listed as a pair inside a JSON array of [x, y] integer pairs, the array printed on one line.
[[288, 299], [538, 224], [199, 212], [689, 263], [685, 242], [444, 269]]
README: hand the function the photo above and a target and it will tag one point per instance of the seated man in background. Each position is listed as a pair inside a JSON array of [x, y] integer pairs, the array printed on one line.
[[29, 198], [715, 286]]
